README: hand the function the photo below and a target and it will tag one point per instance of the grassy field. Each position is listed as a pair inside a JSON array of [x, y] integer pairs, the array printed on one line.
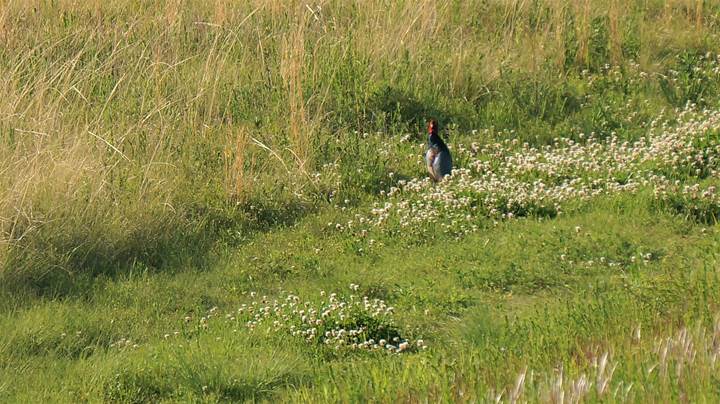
[[221, 201]]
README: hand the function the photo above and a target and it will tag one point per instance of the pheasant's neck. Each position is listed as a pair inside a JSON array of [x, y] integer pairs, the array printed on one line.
[[433, 138]]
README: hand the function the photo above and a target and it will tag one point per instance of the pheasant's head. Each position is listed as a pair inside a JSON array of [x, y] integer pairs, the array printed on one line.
[[432, 127]]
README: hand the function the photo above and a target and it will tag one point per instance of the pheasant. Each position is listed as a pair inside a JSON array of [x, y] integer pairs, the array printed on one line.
[[437, 156]]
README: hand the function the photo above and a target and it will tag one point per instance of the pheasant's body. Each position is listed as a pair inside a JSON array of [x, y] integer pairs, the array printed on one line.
[[437, 156]]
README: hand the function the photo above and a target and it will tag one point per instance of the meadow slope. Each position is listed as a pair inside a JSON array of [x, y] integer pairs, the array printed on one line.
[[222, 201]]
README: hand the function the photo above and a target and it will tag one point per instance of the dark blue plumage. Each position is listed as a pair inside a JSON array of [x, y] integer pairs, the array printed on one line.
[[437, 155]]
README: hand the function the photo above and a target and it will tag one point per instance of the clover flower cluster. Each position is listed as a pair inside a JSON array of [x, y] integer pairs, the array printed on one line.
[[695, 201], [335, 321], [507, 179], [124, 343]]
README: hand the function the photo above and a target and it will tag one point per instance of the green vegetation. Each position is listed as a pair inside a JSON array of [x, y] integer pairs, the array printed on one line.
[[225, 201]]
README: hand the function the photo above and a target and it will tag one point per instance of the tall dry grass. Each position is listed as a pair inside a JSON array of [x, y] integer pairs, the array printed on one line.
[[582, 12], [615, 16], [239, 165], [292, 71]]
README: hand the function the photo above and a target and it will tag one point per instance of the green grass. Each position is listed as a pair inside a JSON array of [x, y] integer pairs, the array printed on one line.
[[164, 166], [488, 306]]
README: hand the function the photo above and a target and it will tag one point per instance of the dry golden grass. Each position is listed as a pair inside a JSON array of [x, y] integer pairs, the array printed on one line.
[[238, 178], [582, 10], [292, 71], [559, 16], [615, 15]]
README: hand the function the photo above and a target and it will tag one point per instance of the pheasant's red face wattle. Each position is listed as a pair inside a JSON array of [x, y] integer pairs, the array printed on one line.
[[432, 127]]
